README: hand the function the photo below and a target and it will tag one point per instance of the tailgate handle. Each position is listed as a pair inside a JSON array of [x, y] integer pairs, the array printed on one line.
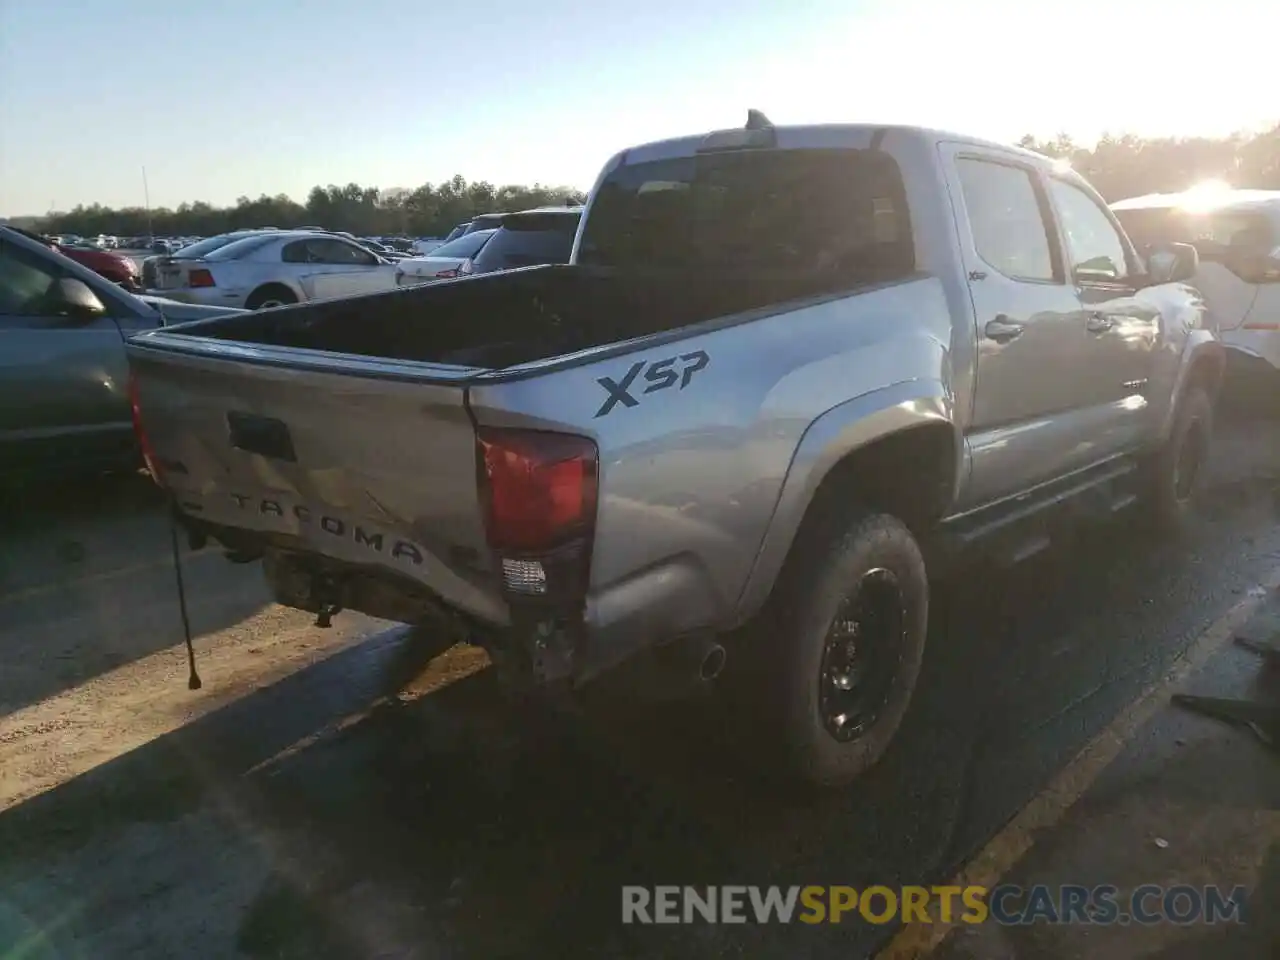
[[261, 435]]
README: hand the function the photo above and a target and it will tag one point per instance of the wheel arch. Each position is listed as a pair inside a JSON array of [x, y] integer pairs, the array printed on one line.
[[1203, 365], [271, 285], [859, 450]]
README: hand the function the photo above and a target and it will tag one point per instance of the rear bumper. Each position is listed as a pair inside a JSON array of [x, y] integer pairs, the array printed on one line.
[[540, 646], [202, 297]]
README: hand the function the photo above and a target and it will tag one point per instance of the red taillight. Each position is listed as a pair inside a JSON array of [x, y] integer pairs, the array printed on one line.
[[539, 488], [144, 444], [200, 278], [447, 274]]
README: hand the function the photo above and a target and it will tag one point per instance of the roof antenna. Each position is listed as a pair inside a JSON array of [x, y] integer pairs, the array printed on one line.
[[756, 120], [193, 678]]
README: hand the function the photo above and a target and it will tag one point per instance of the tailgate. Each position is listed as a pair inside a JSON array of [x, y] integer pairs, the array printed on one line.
[[337, 461]]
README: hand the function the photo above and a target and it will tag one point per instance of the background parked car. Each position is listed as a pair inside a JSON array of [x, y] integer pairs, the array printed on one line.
[[526, 239], [114, 267], [276, 267], [457, 231], [64, 401], [1237, 234], [444, 261], [380, 248], [424, 246], [151, 265]]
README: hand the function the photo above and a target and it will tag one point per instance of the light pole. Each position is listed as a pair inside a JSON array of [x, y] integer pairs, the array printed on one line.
[[146, 199]]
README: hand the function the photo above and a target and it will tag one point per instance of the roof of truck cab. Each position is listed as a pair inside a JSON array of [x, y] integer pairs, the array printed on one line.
[[828, 135]]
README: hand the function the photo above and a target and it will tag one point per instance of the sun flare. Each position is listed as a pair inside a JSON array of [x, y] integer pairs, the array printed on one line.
[[1205, 195]]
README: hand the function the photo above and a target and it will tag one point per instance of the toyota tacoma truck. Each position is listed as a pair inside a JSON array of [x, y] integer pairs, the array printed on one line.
[[783, 366]]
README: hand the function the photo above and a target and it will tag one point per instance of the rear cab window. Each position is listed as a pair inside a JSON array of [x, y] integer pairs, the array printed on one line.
[[836, 212]]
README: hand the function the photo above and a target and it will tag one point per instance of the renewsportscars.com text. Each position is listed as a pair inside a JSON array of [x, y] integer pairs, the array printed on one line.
[[1007, 904]]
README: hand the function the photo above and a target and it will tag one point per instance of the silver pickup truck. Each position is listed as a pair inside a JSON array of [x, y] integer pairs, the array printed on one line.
[[783, 366]]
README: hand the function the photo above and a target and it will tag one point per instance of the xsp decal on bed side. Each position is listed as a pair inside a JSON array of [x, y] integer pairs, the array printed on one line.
[[659, 375]]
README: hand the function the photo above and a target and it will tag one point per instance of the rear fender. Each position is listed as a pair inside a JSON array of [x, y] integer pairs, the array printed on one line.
[[836, 434]]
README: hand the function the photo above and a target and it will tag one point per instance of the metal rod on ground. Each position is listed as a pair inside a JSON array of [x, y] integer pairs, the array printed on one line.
[[193, 678]]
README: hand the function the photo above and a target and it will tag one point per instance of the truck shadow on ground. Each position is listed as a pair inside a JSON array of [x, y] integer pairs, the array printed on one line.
[[87, 585]]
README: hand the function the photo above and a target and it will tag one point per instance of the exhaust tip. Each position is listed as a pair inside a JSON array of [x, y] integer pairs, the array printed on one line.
[[712, 663]]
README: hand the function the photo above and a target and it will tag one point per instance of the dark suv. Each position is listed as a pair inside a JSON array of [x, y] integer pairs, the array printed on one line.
[[527, 239]]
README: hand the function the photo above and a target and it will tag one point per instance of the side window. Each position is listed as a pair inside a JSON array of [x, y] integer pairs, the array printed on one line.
[[1094, 248], [295, 252], [340, 252], [357, 255], [1006, 220], [24, 282]]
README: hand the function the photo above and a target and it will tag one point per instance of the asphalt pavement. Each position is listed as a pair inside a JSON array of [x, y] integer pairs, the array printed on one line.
[[348, 794]]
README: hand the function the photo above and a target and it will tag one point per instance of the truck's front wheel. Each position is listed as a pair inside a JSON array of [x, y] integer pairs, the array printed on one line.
[[837, 651], [1174, 473]]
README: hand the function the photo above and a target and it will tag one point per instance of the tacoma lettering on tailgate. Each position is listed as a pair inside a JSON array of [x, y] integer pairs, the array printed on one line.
[[372, 540]]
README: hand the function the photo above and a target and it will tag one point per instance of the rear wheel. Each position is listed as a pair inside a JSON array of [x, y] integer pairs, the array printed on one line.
[[834, 659], [272, 295]]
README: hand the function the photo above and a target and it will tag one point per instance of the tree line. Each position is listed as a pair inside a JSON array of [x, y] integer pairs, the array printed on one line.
[[430, 210], [1118, 166], [1129, 166]]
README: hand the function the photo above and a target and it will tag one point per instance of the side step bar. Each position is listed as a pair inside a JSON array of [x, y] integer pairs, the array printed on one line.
[[1016, 529]]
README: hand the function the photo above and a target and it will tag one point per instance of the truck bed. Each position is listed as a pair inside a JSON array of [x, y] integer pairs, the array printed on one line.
[[506, 319]]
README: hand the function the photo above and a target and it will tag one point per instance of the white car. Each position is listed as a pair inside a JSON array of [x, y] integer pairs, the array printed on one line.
[[1237, 234], [273, 268], [446, 261]]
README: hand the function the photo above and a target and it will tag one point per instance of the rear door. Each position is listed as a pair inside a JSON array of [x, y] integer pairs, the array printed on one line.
[[1024, 424], [63, 382], [1117, 326]]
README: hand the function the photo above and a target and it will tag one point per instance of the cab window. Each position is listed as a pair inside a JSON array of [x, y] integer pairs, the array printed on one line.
[[1006, 219], [1095, 251]]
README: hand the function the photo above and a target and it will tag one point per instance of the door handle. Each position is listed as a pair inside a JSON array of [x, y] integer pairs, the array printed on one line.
[[1099, 323], [1002, 329]]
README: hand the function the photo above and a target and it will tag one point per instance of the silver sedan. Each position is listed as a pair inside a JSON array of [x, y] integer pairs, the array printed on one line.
[[276, 268]]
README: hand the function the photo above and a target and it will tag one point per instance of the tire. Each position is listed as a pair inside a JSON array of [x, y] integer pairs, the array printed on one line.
[[1174, 473], [272, 295], [795, 657]]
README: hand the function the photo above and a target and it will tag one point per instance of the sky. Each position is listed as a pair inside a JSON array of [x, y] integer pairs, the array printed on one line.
[[243, 97]]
